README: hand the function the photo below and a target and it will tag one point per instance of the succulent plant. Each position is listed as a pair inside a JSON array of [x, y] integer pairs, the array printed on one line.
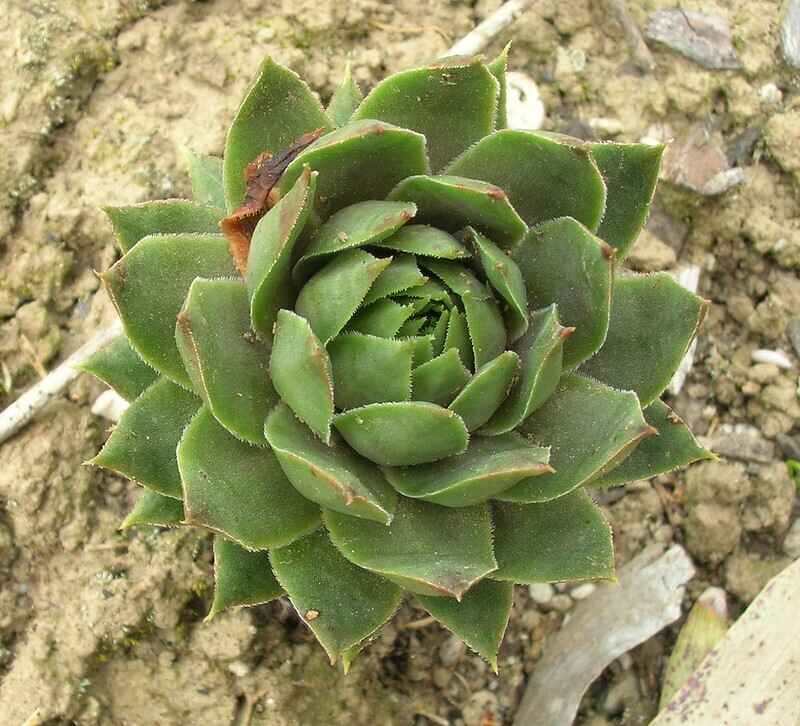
[[389, 349]]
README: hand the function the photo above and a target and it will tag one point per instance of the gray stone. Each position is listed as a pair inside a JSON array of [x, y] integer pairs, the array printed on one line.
[[561, 603], [697, 161], [541, 593], [743, 443], [704, 39], [793, 331], [790, 34], [791, 544], [581, 592], [789, 445], [452, 651]]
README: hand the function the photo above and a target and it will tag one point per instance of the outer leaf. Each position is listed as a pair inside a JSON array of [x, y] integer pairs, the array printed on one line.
[[118, 365], [565, 539], [163, 216], [345, 99], [544, 176], [239, 490], [412, 550], [440, 379], [148, 287], [423, 349], [278, 108], [454, 202], [363, 160], [563, 263], [421, 239], [630, 172], [486, 468], [402, 434], [487, 390], [270, 257], [301, 373], [452, 103], [155, 510], [398, 277], [480, 619], [675, 446], [653, 322], [498, 68], [227, 364], [333, 475], [341, 603], [383, 318], [241, 577], [206, 175], [368, 369], [587, 425], [142, 446], [331, 297]]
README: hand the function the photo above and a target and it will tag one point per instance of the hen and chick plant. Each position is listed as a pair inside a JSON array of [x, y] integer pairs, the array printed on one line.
[[389, 350]]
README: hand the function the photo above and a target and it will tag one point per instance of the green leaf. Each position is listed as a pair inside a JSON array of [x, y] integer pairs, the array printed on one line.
[[452, 103], [363, 160], [239, 490], [163, 216], [345, 99], [269, 260], [142, 446], [439, 333], [332, 296], [383, 318], [498, 68], [454, 202], [540, 351], [487, 468], [421, 239], [148, 287], [587, 425], [333, 476], [630, 172], [241, 577], [401, 274], [368, 369], [653, 322], [440, 379], [480, 619], [544, 177], [278, 108], [156, 510], [428, 549], [118, 366], [674, 447], [562, 540], [487, 390], [341, 603], [411, 327], [401, 434], [301, 373], [458, 337], [206, 175], [563, 263], [228, 365], [430, 291], [422, 346]]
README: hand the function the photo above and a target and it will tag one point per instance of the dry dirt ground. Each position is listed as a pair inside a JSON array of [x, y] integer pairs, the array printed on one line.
[[97, 98]]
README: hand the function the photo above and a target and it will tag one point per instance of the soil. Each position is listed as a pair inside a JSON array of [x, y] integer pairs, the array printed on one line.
[[97, 100]]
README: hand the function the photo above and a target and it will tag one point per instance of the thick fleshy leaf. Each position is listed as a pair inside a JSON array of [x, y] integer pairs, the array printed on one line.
[[653, 322], [345, 100], [563, 263], [487, 390], [439, 332], [206, 175], [383, 318], [119, 366], [369, 369], [269, 260], [278, 108], [163, 216], [540, 351], [505, 277], [427, 241], [156, 510], [440, 379], [430, 291], [239, 490], [486, 468], [565, 539], [363, 160], [454, 202], [411, 327], [301, 373], [452, 103], [142, 446], [587, 425], [402, 434], [428, 549], [241, 577], [630, 172], [498, 68], [544, 176], [333, 476], [342, 604], [480, 619], [422, 349], [228, 365], [332, 296], [458, 337], [148, 287], [399, 276], [675, 446]]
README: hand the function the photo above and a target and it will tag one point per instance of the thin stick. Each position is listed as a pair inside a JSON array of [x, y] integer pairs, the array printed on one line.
[[640, 53], [476, 40]]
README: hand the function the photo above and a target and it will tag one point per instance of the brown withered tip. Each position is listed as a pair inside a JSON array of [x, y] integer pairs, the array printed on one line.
[[566, 332], [673, 418], [609, 252], [649, 431], [496, 193]]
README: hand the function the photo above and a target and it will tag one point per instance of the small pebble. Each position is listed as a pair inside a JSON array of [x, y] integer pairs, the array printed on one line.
[[452, 651], [541, 592], [561, 603], [704, 39], [776, 357], [239, 668], [791, 544], [441, 677], [793, 331], [770, 94], [790, 33], [582, 591]]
